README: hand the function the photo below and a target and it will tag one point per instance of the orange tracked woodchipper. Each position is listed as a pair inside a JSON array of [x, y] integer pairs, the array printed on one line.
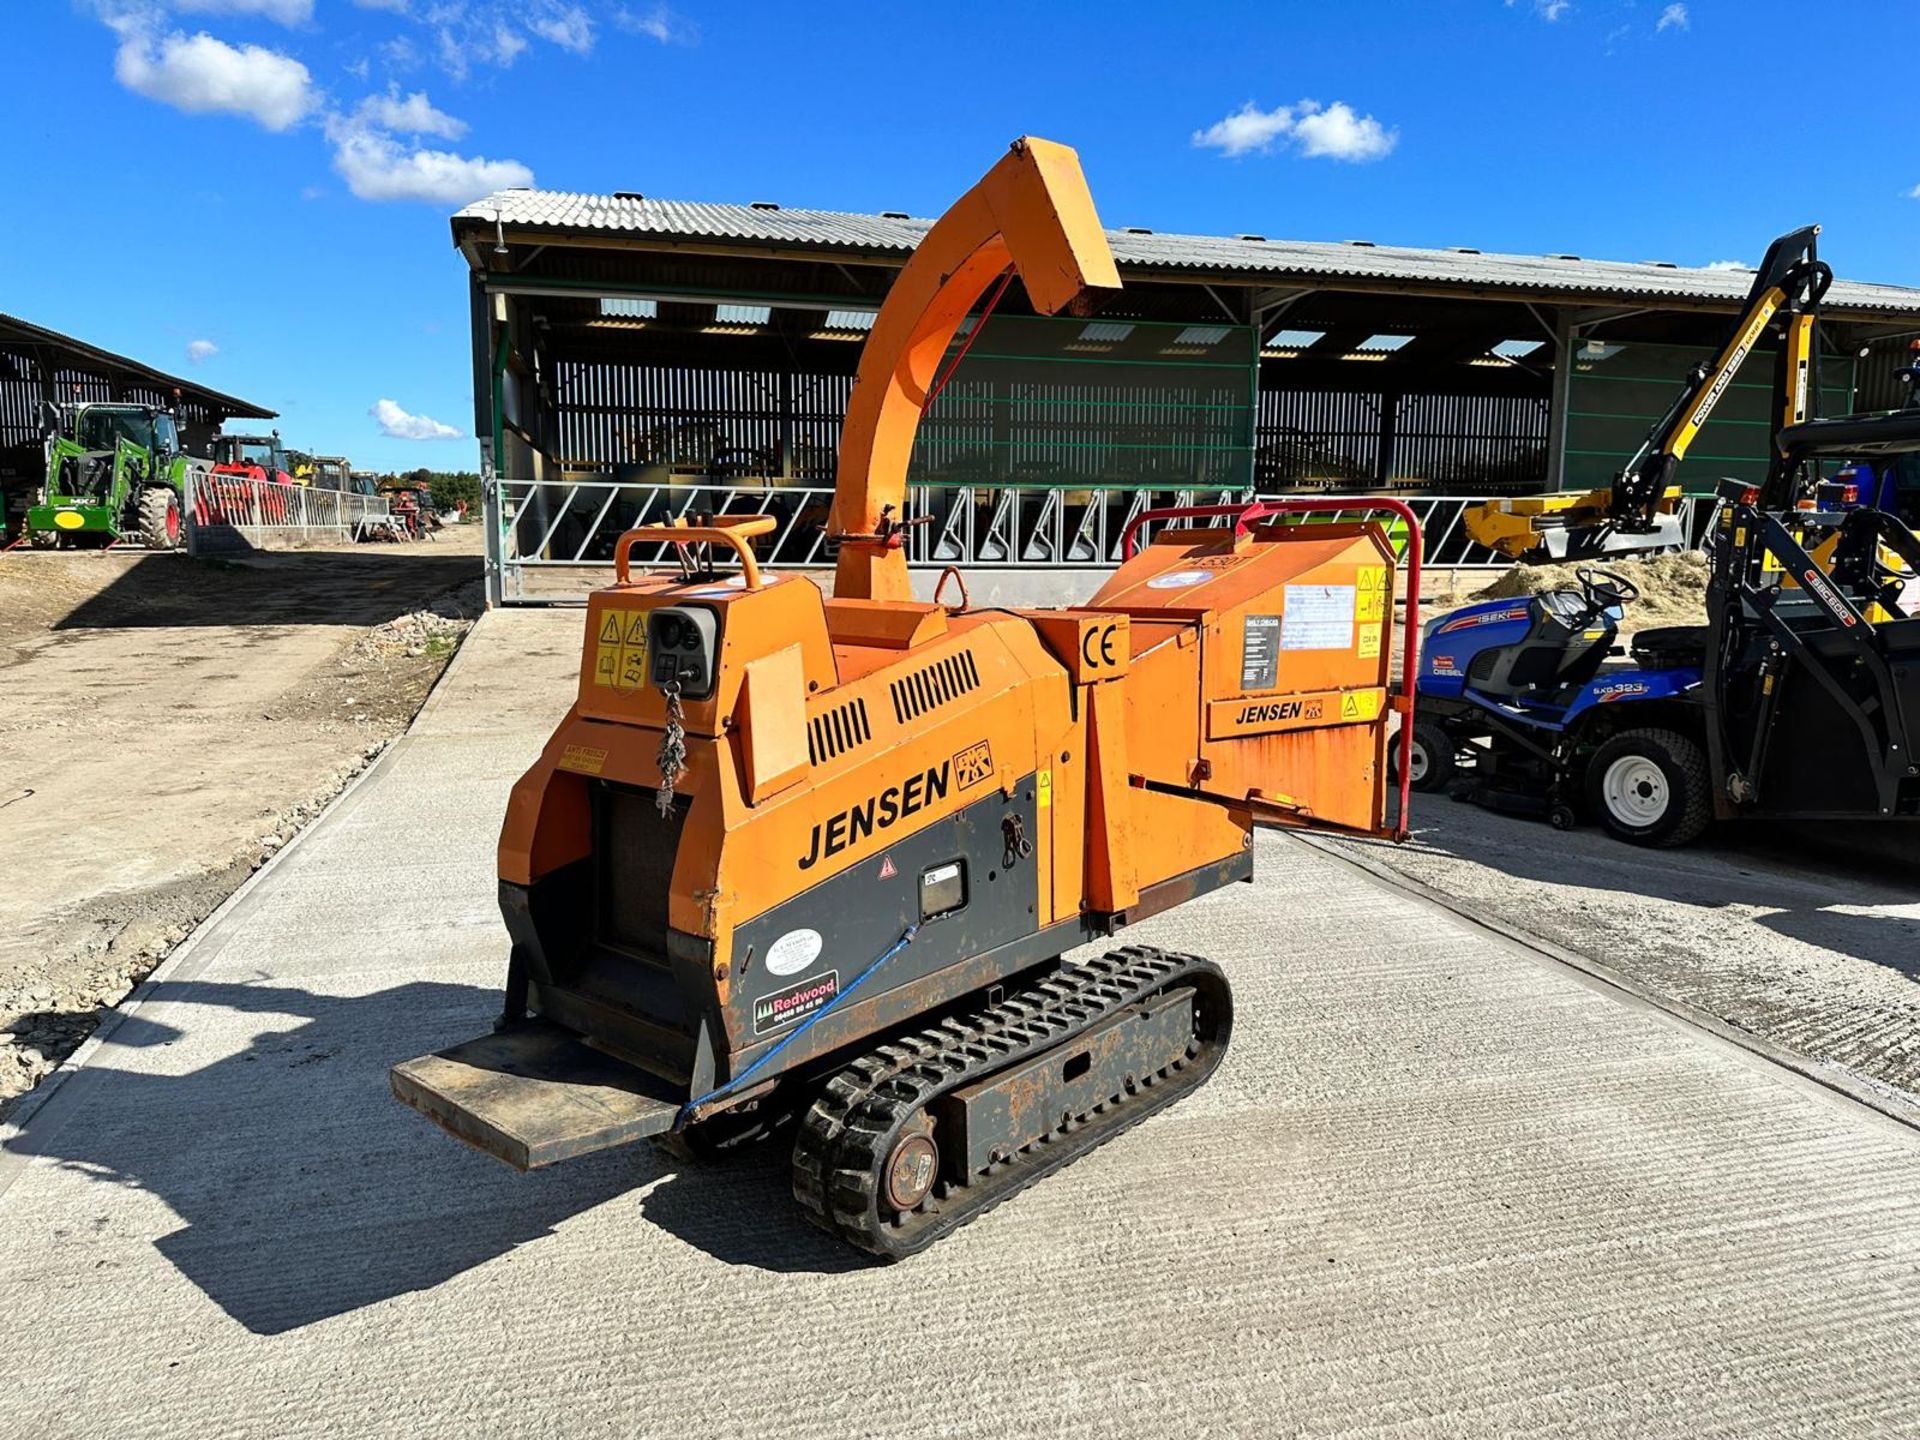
[[810, 863]]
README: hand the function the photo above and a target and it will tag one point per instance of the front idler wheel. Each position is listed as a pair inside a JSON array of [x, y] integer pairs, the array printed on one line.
[[912, 1167]]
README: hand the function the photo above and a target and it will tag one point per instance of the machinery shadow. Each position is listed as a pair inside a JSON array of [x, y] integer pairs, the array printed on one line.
[[741, 1212], [333, 587], [1803, 890], [305, 1190]]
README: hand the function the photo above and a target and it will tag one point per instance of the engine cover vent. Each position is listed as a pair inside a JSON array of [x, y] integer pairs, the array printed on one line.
[[836, 731], [933, 686]]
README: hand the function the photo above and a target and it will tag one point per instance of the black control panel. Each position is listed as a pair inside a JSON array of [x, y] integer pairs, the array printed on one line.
[[683, 648]]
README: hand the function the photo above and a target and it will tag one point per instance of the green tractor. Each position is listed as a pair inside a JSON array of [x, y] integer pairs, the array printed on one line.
[[113, 472]]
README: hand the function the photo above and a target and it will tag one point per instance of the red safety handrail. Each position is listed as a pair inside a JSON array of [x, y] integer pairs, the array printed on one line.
[[1249, 511], [1244, 513]]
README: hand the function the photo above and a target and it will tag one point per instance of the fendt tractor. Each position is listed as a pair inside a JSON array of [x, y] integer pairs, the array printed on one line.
[[817, 861], [114, 472]]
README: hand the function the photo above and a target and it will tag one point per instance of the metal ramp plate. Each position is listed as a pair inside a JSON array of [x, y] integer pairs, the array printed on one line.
[[534, 1094]]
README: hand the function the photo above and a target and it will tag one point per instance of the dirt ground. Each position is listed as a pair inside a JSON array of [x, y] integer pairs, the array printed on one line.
[[168, 724]]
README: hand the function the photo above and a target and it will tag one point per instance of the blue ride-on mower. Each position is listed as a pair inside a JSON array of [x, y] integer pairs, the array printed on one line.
[[1517, 709]]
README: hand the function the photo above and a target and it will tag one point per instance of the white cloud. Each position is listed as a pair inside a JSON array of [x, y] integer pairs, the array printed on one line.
[[1548, 10], [658, 23], [396, 7], [569, 27], [1339, 134], [202, 75], [1335, 132], [378, 167], [200, 351], [1248, 128], [286, 12], [1674, 17], [1729, 265], [400, 425], [413, 115], [507, 44]]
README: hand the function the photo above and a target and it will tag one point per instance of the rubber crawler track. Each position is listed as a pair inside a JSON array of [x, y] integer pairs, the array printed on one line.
[[846, 1137]]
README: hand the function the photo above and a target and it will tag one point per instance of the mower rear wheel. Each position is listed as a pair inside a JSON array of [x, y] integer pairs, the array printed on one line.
[[1649, 787], [160, 517]]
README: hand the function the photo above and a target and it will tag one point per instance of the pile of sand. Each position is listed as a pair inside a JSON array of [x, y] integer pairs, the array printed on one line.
[[1673, 588]]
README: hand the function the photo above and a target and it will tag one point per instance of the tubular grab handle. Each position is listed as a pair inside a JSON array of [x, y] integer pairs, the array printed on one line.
[[733, 531], [1245, 514]]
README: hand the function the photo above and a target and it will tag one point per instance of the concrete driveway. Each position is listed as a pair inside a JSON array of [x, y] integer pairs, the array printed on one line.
[[1440, 1187], [1775, 931]]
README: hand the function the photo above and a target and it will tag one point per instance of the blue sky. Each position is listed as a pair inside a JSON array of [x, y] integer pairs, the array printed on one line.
[[256, 192]]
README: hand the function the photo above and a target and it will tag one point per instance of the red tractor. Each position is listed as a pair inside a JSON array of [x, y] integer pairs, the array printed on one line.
[[260, 459]]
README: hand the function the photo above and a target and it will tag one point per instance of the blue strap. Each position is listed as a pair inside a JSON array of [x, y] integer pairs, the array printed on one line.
[[686, 1111]]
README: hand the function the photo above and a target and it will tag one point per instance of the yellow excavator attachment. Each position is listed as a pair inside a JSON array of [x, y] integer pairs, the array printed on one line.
[[1567, 526]]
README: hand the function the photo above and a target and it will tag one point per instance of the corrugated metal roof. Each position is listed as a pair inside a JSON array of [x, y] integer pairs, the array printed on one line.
[[12, 328], [1204, 256]]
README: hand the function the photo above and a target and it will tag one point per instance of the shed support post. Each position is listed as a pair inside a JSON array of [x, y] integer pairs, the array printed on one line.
[[1563, 341]]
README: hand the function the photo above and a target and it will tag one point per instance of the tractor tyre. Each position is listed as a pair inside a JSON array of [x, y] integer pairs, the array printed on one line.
[[1434, 766], [160, 517], [1649, 787]]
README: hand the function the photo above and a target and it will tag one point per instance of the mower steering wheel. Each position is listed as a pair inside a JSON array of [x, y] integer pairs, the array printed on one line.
[[1604, 589]]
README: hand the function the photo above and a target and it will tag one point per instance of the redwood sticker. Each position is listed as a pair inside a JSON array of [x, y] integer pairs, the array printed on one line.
[[796, 1002]]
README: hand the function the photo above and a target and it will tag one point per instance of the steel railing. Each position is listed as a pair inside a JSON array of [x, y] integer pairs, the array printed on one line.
[[572, 525], [230, 511]]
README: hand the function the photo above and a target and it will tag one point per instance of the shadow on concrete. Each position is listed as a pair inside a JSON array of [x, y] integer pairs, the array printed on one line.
[[307, 1191], [1799, 881], [360, 587], [741, 1211]]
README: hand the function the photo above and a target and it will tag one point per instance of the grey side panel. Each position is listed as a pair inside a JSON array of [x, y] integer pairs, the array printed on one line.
[[860, 912]]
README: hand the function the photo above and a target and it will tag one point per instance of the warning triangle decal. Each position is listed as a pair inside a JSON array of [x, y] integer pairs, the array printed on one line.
[[887, 872], [637, 631], [610, 630]]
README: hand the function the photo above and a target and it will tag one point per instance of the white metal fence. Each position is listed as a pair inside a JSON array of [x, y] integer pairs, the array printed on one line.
[[229, 512], [536, 526]]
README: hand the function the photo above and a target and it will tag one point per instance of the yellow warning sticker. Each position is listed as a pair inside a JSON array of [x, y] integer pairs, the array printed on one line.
[[583, 759], [1043, 790], [1369, 637], [1370, 603], [1362, 704], [620, 649]]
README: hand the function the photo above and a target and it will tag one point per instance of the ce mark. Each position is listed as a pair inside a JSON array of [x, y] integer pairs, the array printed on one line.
[[1096, 645]]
